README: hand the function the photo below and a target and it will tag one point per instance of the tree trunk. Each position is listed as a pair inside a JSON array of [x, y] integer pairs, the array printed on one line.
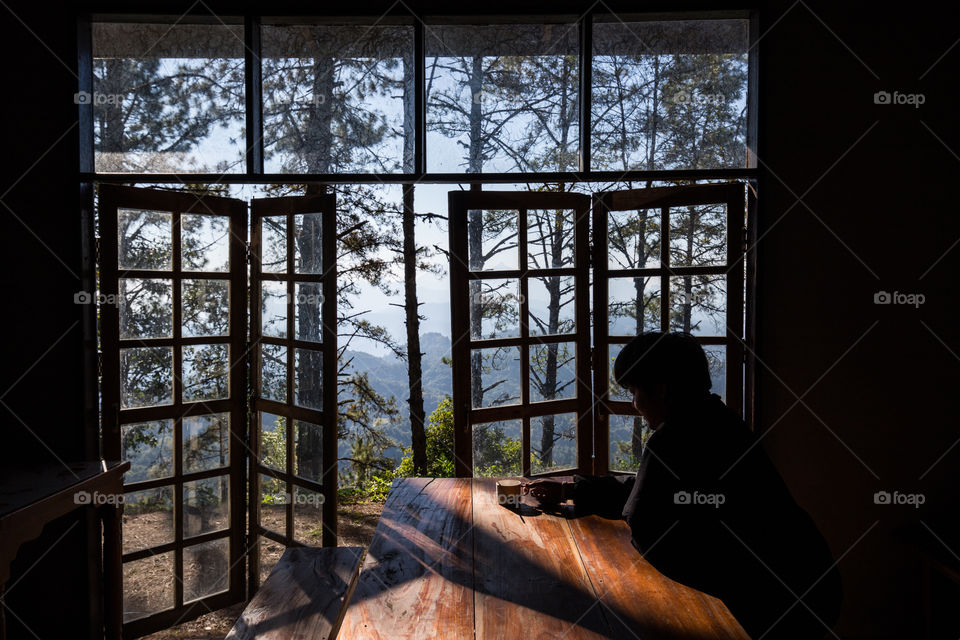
[[414, 371]]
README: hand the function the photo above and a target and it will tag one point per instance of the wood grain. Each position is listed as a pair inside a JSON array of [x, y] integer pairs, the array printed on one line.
[[530, 580], [304, 596], [639, 601], [417, 580]]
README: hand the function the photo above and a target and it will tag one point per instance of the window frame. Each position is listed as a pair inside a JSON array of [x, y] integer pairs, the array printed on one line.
[[254, 166]]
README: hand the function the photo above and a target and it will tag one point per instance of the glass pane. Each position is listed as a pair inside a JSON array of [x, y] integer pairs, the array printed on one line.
[[147, 586], [502, 97], [616, 391], [308, 250], [550, 236], [273, 504], [550, 301], [634, 305], [553, 442], [205, 372], [273, 372], [497, 449], [145, 239], [206, 308], [495, 376], [206, 568], [308, 450], [308, 311], [717, 361], [206, 442], [308, 516], [146, 376], [273, 441], [206, 505], [273, 244], [149, 448], [147, 518], [492, 239], [628, 436], [168, 97], [669, 94], [338, 98], [698, 236], [698, 304], [146, 308], [205, 242], [553, 371], [308, 381], [270, 552], [633, 239], [494, 308], [273, 309]]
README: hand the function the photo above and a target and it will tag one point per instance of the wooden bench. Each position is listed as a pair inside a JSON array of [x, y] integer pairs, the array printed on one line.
[[305, 596]]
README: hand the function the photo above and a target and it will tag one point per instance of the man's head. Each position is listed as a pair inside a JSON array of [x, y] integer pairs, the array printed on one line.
[[660, 369]]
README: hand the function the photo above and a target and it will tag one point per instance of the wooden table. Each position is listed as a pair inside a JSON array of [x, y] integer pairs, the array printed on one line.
[[31, 497], [447, 561]]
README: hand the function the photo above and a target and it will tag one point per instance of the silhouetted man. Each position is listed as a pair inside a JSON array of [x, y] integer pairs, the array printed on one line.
[[707, 507]]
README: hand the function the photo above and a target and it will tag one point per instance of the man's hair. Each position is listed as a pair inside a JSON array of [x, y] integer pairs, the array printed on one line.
[[675, 359]]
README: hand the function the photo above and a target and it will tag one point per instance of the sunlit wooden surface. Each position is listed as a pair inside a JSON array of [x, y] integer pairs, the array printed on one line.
[[447, 561]]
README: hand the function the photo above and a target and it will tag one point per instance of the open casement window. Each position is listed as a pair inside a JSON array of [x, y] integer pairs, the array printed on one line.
[[664, 259], [521, 338], [173, 322], [293, 328], [530, 395]]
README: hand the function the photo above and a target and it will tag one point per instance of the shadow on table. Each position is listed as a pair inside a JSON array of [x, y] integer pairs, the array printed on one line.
[[419, 535]]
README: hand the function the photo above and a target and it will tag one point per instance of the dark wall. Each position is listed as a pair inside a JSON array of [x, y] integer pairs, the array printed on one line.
[[41, 379], [875, 380], [876, 409]]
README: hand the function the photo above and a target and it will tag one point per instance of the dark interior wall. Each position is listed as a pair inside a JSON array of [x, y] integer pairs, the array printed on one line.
[[874, 177], [875, 216], [41, 378]]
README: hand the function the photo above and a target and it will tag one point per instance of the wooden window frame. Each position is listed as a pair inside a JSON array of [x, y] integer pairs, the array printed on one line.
[[664, 198], [112, 198], [465, 415], [326, 418]]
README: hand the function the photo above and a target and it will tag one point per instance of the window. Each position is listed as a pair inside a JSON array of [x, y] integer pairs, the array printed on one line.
[[375, 117]]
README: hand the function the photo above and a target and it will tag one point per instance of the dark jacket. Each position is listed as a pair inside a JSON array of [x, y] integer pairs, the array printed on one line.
[[708, 509]]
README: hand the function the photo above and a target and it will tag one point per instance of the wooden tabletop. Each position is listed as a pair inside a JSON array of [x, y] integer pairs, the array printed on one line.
[[447, 561]]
